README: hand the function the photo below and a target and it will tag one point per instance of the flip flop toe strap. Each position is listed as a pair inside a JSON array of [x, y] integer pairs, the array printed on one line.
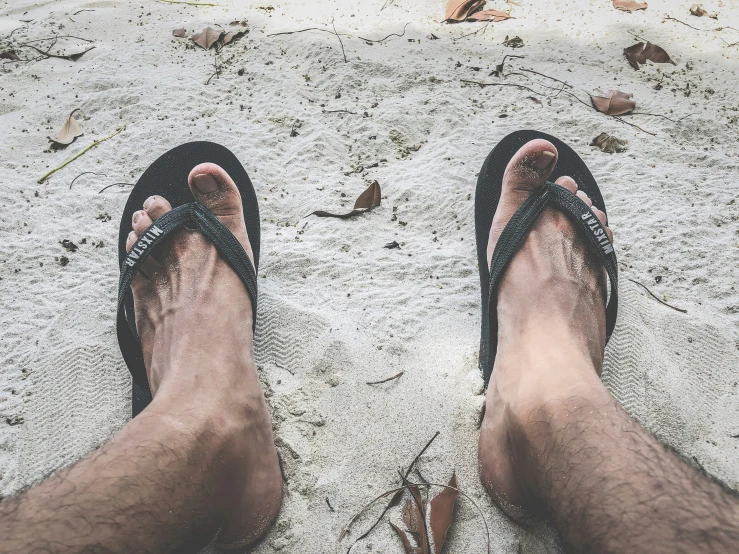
[[193, 216], [521, 223]]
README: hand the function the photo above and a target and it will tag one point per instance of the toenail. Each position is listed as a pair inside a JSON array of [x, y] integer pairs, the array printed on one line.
[[149, 202], [136, 217], [544, 159], [205, 183]]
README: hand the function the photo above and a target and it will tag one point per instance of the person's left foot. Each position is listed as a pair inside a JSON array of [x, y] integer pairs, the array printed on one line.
[[194, 318]]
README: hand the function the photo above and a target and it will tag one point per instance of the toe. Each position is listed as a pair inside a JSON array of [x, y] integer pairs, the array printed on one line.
[[527, 171], [584, 197], [156, 207], [530, 166], [214, 189], [131, 240], [140, 222], [568, 183], [600, 215]]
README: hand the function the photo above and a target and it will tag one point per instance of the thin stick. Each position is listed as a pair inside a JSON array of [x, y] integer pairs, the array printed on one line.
[[188, 3], [482, 84], [55, 37], [396, 376], [705, 30], [85, 173], [340, 111], [390, 504], [340, 41], [69, 57], [85, 10], [387, 37], [70, 160], [547, 76], [120, 185], [300, 31], [330, 507], [657, 298]]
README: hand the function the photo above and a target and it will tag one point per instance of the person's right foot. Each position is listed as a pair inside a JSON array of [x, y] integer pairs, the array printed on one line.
[[551, 321], [194, 318]]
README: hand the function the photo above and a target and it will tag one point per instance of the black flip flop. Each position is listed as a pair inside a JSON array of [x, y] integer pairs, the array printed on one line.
[[487, 196], [167, 177]]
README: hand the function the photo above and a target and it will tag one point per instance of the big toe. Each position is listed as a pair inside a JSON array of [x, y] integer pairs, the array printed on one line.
[[214, 189], [527, 170]]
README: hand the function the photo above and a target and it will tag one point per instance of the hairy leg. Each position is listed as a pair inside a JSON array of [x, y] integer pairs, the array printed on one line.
[[554, 441], [200, 460]]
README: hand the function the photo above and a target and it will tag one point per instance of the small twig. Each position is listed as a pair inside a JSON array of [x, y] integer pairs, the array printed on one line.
[[482, 84], [657, 298], [340, 41], [547, 76], [56, 37], [387, 3], [634, 125], [340, 111], [716, 29], [188, 3], [80, 153], [387, 37], [396, 376], [85, 173], [330, 507], [475, 32], [120, 185], [69, 57], [85, 10], [687, 24]]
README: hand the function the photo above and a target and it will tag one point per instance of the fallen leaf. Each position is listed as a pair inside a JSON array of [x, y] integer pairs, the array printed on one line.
[[369, 199], [460, 10], [489, 15], [69, 131], [614, 102], [629, 5], [231, 36], [414, 517], [639, 54], [237, 22], [698, 11], [207, 37], [10, 55], [535, 99], [441, 513], [392, 245], [432, 36], [179, 33], [609, 144], [406, 540], [515, 42]]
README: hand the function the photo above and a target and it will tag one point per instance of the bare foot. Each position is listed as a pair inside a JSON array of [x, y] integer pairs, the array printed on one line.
[[551, 318], [194, 317]]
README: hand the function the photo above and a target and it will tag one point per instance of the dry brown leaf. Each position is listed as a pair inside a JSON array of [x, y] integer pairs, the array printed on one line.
[[639, 54], [10, 55], [460, 10], [698, 11], [489, 15], [629, 5], [414, 516], [207, 37], [441, 513], [69, 131], [369, 199], [179, 33], [614, 102], [406, 540], [609, 144]]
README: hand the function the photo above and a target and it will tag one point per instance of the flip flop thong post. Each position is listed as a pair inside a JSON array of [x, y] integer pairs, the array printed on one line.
[[167, 177], [487, 196]]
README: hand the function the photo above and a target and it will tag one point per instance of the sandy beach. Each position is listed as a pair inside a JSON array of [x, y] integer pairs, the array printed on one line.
[[314, 120]]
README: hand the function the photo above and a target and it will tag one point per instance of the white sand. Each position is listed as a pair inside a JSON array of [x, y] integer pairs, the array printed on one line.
[[337, 309]]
